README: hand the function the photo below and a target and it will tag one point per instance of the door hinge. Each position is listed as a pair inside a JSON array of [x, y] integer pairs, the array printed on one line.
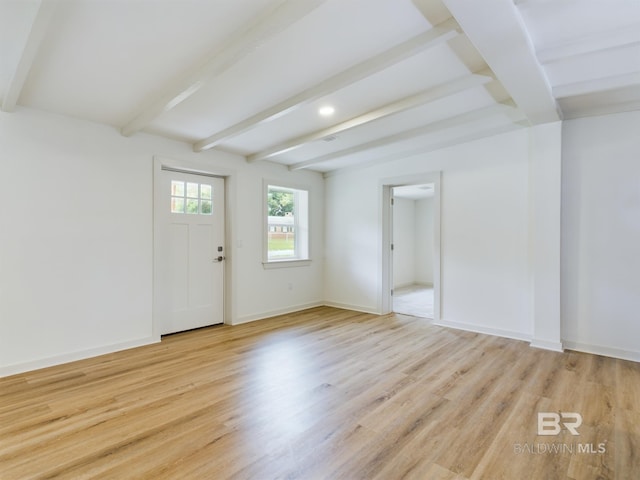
[[392, 200], [392, 292], [392, 246]]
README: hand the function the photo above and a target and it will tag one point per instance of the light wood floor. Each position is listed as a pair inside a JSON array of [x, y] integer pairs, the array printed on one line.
[[325, 393]]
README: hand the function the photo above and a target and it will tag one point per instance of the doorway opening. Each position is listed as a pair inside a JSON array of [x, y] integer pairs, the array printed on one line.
[[411, 258], [412, 252]]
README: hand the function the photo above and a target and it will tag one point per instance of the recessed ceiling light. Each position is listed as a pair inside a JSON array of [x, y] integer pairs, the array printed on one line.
[[326, 111]]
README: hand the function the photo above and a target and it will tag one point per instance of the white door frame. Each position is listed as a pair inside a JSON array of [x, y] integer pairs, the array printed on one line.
[[203, 168], [387, 184]]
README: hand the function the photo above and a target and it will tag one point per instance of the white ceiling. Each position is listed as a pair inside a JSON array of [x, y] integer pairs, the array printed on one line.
[[249, 76], [589, 51]]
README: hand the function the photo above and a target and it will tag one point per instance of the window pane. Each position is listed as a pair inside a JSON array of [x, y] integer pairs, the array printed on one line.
[[281, 242], [205, 191], [280, 202], [177, 205], [192, 205], [288, 223], [281, 245], [192, 190], [177, 188], [205, 207]]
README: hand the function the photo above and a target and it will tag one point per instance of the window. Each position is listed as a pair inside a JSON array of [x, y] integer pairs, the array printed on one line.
[[287, 226], [191, 198]]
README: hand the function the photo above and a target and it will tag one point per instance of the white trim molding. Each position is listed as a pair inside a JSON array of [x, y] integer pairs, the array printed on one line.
[[496, 332], [75, 356], [355, 308], [547, 345], [274, 313], [614, 352]]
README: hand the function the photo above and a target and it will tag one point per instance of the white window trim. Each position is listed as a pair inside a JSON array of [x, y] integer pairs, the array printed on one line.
[[285, 262]]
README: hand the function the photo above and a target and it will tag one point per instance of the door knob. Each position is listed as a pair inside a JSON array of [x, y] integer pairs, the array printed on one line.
[[219, 259]]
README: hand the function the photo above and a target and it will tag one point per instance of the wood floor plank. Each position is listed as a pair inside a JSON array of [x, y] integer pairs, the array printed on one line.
[[627, 444], [409, 469], [627, 384], [323, 394], [516, 451]]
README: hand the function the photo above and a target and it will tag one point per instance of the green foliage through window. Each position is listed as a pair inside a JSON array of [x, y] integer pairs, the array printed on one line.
[[280, 203]]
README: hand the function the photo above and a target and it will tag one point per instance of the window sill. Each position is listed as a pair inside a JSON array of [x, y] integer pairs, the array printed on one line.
[[285, 264]]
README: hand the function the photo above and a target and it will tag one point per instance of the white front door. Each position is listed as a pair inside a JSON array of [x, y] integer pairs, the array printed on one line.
[[189, 251]]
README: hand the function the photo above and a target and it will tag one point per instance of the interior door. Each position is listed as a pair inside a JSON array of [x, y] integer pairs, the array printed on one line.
[[190, 251]]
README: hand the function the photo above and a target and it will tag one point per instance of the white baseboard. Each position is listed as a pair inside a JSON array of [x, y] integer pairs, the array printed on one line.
[[546, 345], [631, 355], [275, 313], [355, 308], [72, 357], [486, 330], [604, 351]]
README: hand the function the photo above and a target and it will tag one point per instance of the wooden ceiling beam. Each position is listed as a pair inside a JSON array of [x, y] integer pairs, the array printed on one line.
[[439, 34], [32, 45], [450, 122], [438, 145], [497, 31], [244, 41], [407, 103]]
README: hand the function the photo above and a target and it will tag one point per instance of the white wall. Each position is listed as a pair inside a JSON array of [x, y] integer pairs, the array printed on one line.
[[413, 242], [404, 242], [545, 183], [501, 233], [76, 239], [485, 276], [76, 236], [601, 234], [424, 261]]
